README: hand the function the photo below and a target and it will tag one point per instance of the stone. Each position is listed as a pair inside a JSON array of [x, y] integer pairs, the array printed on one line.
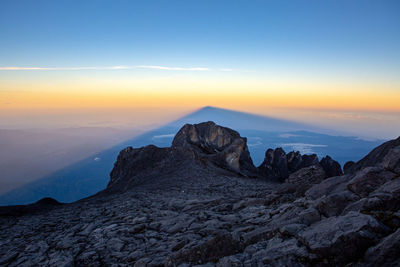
[[210, 251], [344, 238], [377, 156], [385, 253], [335, 203], [309, 160], [294, 161], [306, 177], [309, 216], [349, 167], [230, 261], [368, 179], [193, 204], [391, 161], [274, 166], [209, 138], [331, 167]]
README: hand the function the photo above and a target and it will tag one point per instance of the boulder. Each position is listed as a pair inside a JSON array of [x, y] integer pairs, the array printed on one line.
[[327, 186], [377, 157], [345, 238], [386, 253], [391, 161], [215, 248], [369, 179], [331, 167], [226, 147], [313, 174], [334, 203], [309, 160], [306, 178]]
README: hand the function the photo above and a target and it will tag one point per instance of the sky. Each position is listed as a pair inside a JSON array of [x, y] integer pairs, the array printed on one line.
[[258, 56]]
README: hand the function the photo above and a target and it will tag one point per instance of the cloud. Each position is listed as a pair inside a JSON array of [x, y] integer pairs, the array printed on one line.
[[302, 147], [67, 68], [163, 136], [172, 68], [287, 135], [153, 67], [108, 68]]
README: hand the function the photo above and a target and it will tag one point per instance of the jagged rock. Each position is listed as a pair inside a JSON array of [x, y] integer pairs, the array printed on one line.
[[334, 203], [345, 238], [377, 156], [230, 261], [135, 166], [280, 252], [349, 167], [386, 253], [309, 160], [278, 165], [200, 145], [43, 205], [364, 204], [389, 193], [369, 179], [306, 177], [331, 167], [309, 216], [212, 250], [294, 161], [327, 186], [391, 161], [190, 205], [231, 149], [275, 165]]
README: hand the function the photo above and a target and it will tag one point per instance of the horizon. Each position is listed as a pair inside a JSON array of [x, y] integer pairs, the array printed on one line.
[[80, 77], [179, 55]]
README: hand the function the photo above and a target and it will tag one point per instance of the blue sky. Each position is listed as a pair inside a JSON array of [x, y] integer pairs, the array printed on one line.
[[308, 54], [232, 34]]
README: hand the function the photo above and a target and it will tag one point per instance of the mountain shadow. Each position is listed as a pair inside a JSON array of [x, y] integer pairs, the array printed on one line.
[[90, 175]]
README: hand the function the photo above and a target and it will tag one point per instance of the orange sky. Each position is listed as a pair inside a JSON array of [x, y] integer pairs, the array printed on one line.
[[235, 92]]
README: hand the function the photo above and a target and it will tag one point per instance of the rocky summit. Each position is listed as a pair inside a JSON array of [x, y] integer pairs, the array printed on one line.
[[202, 202]]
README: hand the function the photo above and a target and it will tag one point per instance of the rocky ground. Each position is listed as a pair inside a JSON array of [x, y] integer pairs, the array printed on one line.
[[201, 202]]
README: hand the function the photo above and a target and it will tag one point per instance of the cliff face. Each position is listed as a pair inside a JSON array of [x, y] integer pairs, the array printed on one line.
[[201, 201], [210, 146], [200, 146]]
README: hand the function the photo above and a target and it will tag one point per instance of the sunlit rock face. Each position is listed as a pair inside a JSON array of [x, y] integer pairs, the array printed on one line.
[[200, 146], [229, 148]]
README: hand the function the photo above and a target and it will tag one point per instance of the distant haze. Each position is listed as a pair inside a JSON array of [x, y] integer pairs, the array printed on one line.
[[36, 144]]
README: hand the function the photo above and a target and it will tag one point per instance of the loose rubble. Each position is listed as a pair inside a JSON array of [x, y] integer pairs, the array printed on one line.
[[187, 206]]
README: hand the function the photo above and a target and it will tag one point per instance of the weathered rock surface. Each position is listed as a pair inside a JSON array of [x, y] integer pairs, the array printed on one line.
[[331, 167], [229, 148], [278, 166], [186, 206], [386, 155]]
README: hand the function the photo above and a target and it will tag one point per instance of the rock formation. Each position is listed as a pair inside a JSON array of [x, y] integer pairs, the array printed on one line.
[[278, 165], [195, 204]]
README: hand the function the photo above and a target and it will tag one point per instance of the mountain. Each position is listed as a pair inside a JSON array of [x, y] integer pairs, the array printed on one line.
[[202, 201], [90, 175]]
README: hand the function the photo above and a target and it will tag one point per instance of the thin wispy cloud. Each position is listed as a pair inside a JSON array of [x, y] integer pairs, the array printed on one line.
[[154, 67], [173, 68], [67, 68]]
